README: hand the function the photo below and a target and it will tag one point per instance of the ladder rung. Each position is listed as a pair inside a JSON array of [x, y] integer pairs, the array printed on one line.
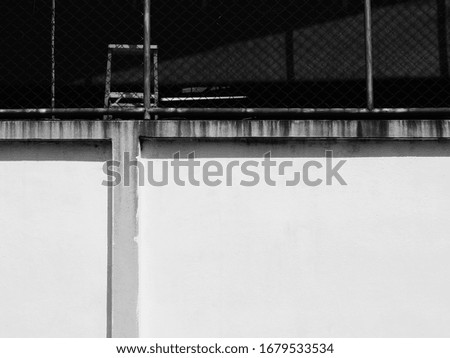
[[129, 48], [140, 95], [120, 105], [211, 98], [137, 95]]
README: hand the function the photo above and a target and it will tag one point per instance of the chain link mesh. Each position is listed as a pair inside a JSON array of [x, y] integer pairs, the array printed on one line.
[[25, 54], [411, 53], [224, 53], [85, 29], [266, 53]]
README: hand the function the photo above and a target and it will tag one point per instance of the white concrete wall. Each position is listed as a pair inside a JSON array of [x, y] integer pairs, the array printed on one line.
[[53, 240], [369, 259]]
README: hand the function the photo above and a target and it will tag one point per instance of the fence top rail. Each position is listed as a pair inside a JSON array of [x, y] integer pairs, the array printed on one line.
[[317, 113]]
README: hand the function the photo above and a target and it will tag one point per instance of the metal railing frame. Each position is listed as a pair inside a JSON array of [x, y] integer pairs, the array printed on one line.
[[147, 59], [369, 53], [149, 112], [221, 112]]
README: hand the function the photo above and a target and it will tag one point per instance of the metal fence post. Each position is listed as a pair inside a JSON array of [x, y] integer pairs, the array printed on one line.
[[53, 55], [147, 59], [369, 53]]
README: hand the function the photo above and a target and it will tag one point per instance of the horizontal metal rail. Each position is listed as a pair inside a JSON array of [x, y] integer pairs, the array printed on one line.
[[39, 112], [231, 112]]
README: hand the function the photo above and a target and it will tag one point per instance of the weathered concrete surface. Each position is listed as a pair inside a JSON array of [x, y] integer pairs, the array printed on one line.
[[125, 136], [369, 259], [124, 226], [108, 130], [388, 129]]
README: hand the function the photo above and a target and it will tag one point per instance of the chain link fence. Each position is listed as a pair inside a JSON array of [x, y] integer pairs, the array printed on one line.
[[410, 42], [82, 32], [223, 54]]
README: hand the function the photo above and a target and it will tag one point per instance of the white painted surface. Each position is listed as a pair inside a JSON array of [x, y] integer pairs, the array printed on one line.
[[53, 240], [370, 259]]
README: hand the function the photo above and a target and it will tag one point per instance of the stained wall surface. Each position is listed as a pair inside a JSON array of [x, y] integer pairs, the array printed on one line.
[[366, 259], [53, 239]]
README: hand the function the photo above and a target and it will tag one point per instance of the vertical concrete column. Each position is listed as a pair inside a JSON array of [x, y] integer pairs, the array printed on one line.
[[124, 232]]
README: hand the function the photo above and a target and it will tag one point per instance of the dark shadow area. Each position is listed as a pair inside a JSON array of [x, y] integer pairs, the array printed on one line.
[[273, 53], [83, 151]]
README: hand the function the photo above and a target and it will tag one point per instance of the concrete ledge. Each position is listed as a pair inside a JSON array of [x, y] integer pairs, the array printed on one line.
[[351, 129]]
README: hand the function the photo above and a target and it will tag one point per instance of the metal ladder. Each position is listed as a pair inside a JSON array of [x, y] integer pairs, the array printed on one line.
[[116, 99]]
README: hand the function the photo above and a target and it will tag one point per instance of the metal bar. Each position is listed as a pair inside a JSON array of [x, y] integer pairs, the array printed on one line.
[[156, 77], [147, 60], [369, 53], [206, 98], [108, 79], [129, 48], [42, 112], [136, 95], [53, 54], [250, 112]]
